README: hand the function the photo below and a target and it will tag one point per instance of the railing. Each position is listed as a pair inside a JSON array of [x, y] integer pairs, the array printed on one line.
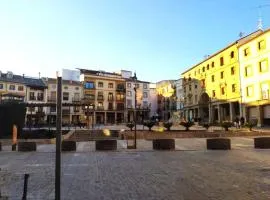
[[76, 100], [100, 107], [65, 112], [100, 98], [51, 99]]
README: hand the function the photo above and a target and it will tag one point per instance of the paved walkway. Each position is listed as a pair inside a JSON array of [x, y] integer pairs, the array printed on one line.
[[191, 174]]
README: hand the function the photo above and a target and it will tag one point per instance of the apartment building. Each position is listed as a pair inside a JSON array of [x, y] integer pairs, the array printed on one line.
[[212, 90], [72, 94], [166, 99], [179, 96], [142, 96], [153, 100], [106, 93], [12, 87], [254, 58]]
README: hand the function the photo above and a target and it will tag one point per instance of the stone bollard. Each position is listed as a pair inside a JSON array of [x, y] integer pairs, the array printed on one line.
[[262, 143], [218, 143], [68, 146], [164, 144], [106, 145], [27, 146]]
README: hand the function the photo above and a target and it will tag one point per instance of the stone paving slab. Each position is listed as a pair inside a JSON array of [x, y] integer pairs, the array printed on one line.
[[149, 175]]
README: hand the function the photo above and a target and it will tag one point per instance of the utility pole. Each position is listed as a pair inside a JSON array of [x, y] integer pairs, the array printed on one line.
[[58, 140]]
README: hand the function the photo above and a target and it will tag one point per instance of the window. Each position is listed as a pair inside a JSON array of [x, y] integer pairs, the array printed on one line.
[[203, 69], [89, 96], [89, 85], [32, 96], [145, 95], [248, 71], [53, 109], [145, 104], [144, 86], [233, 87], [110, 96], [129, 103], [203, 83], [222, 90], [195, 86], [53, 86], [1, 86], [213, 64], [129, 93], [65, 96], [66, 87], [110, 106], [246, 51], [207, 67], [221, 61], [31, 109], [77, 88], [213, 93], [265, 90], [100, 84], [189, 87], [261, 45], [196, 98], [119, 97], [137, 85], [129, 85], [249, 90], [213, 78], [222, 75], [11, 87], [232, 70], [40, 96], [263, 66], [110, 85], [100, 106], [199, 71], [20, 88], [100, 96], [232, 54]]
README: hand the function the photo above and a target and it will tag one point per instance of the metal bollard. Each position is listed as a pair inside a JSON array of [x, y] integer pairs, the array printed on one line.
[[26, 176]]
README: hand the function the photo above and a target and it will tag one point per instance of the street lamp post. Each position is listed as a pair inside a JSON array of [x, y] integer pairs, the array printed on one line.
[[135, 113]]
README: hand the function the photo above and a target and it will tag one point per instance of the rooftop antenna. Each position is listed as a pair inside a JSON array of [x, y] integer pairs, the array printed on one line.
[[39, 75], [260, 21], [241, 34]]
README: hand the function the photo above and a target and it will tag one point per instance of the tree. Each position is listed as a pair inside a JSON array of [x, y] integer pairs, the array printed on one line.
[[130, 125], [168, 125], [149, 124], [187, 124]]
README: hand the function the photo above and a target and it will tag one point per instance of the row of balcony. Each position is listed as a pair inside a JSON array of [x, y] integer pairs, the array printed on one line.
[[77, 100]]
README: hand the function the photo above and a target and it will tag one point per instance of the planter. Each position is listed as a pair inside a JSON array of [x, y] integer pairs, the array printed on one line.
[[106, 145], [27, 146], [163, 144], [68, 146], [218, 143], [262, 143]]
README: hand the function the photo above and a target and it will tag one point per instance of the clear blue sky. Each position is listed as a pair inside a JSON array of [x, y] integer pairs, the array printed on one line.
[[157, 38]]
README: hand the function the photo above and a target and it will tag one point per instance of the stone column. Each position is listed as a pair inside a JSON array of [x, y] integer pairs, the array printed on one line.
[[259, 115], [219, 113], [231, 112], [105, 118]]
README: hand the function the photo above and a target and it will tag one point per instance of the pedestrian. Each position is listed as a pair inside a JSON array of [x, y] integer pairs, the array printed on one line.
[[242, 121], [236, 122]]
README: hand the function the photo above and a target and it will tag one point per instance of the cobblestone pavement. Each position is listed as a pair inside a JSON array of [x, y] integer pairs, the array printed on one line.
[[191, 174]]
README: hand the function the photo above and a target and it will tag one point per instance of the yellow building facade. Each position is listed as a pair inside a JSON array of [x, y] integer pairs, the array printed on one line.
[[212, 90], [254, 57]]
